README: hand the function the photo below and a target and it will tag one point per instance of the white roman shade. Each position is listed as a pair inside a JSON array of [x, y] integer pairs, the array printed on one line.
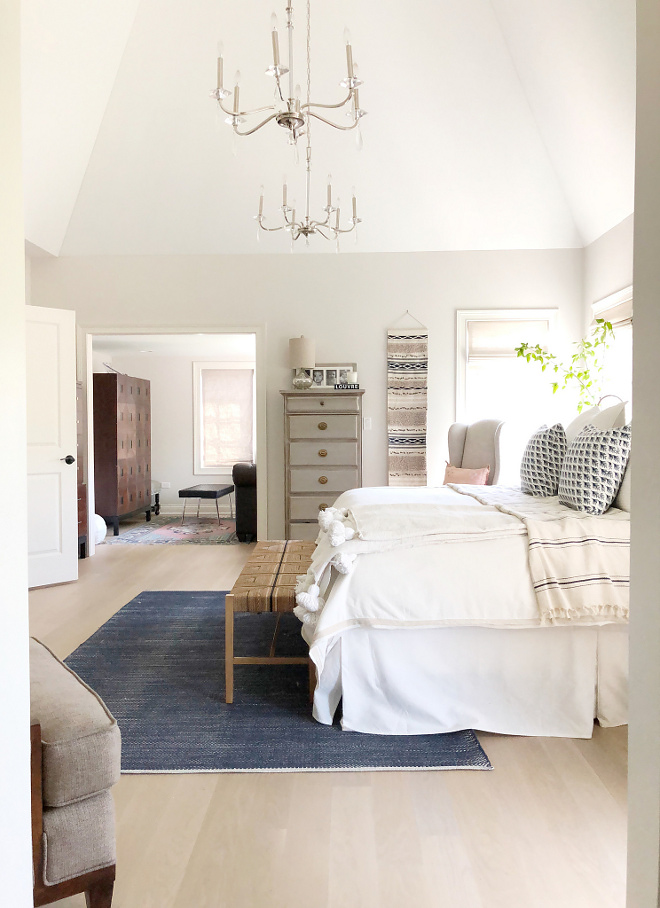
[[498, 338], [617, 308], [223, 422]]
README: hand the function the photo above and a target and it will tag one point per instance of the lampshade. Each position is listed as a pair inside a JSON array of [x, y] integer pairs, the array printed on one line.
[[302, 353]]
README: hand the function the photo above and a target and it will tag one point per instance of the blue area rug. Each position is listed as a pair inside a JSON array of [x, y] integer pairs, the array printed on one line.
[[159, 666]]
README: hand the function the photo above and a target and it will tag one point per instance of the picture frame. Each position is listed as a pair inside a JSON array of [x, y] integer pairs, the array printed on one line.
[[327, 375]]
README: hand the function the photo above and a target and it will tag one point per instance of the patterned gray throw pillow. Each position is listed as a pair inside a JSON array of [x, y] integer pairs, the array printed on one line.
[[593, 469], [541, 464]]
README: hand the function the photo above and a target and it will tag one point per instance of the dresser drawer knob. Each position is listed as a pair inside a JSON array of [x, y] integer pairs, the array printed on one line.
[[322, 403], [323, 426], [323, 480], [323, 453], [323, 506]]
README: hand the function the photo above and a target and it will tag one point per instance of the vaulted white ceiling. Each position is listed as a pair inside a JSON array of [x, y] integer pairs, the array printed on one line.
[[493, 124]]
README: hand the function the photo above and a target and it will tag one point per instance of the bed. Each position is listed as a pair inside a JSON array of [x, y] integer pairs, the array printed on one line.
[[430, 635]]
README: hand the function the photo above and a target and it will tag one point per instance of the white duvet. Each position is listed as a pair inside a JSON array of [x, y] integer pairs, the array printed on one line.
[[482, 580]]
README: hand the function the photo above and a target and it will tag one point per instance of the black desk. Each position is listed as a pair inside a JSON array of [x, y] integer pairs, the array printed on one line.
[[207, 490]]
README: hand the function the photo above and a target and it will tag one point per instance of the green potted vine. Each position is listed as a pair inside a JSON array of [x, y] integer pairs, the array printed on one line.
[[583, 370]]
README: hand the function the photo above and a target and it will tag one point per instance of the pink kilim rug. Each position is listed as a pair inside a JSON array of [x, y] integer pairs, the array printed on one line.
[[164, 530]]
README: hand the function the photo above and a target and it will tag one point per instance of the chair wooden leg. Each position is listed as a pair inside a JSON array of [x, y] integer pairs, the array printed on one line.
[[100, 895]]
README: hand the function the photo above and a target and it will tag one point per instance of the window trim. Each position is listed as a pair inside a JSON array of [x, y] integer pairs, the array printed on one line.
[[601, 308], [198, 367], [463, 316]]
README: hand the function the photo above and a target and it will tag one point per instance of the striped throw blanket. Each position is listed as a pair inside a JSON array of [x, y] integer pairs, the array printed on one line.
[[580, 565]]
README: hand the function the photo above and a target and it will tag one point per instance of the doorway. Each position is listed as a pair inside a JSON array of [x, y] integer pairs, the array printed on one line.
[[171, 363]]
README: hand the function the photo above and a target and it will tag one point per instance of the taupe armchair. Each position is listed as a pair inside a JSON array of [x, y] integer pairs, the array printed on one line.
[[476, 445]]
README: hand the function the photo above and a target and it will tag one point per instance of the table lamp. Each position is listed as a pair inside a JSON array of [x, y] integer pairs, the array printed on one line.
[[302, 357]]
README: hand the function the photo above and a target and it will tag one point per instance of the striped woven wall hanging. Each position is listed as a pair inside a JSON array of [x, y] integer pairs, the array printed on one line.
[[407, 382]]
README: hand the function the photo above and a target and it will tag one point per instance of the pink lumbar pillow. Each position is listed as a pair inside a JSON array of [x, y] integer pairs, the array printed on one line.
[[477, 477]]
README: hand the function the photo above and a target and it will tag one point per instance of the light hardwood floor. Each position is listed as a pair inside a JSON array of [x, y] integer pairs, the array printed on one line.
[[546, 829]]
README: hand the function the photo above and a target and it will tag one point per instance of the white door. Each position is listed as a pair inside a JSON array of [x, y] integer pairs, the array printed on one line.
[[51, 435]]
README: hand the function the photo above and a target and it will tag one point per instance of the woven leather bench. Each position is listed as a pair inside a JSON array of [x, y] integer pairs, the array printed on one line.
[[266, 584]]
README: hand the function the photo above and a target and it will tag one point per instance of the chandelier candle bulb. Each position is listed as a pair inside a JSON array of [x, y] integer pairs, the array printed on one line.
[[237, 79], [276, 44], [261, 201], [354, 204], [349, 53], [284, 193], [349, 60], [220, 70], [329, 190]]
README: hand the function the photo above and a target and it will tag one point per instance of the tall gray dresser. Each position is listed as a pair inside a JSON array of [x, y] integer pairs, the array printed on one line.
[[323, 454]]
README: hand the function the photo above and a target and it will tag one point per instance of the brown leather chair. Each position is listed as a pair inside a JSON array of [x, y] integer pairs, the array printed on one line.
[[244, 477]]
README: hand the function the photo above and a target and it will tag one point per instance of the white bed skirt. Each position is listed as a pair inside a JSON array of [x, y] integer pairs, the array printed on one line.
[[531, 681]]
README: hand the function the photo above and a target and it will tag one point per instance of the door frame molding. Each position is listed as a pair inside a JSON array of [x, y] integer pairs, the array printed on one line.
[[88, 332]]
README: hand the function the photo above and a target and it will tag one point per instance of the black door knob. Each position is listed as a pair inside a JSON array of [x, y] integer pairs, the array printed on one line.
[[68, 459]]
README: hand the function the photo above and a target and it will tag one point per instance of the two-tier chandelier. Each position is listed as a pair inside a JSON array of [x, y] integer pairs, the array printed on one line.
[[296, 115]]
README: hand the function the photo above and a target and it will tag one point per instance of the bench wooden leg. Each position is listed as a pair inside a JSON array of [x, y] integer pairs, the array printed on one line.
[[229, 648]]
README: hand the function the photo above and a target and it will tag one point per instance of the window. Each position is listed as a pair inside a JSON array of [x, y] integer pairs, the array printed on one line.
[[491, 380], [617, 369], [224, 415]]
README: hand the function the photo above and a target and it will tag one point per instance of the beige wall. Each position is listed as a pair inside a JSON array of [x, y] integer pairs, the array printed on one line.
[[608, 264], [344, 302], [644, 775], [15, 852]]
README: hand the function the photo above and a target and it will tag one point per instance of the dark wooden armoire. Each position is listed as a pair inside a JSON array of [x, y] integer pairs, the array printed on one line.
[[122, 446]]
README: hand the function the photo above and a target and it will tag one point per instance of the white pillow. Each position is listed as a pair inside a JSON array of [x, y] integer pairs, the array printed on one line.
[[612, 418], [574, 428]]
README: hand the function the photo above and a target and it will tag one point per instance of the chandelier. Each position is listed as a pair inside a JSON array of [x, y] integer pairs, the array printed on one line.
[[296, 116], [290, 113], [329, 227]]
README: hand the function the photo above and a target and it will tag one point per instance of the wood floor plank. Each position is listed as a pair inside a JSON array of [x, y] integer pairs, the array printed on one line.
[[545, 829], [162, 827], [354, 867], [305, 873]]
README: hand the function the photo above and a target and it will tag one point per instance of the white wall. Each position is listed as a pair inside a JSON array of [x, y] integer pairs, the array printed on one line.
[[344, 302], [644, 733], [15, 848], [171, 380], [608, 264]]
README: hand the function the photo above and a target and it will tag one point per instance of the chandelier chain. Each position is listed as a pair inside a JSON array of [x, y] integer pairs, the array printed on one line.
[[309, 70]]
